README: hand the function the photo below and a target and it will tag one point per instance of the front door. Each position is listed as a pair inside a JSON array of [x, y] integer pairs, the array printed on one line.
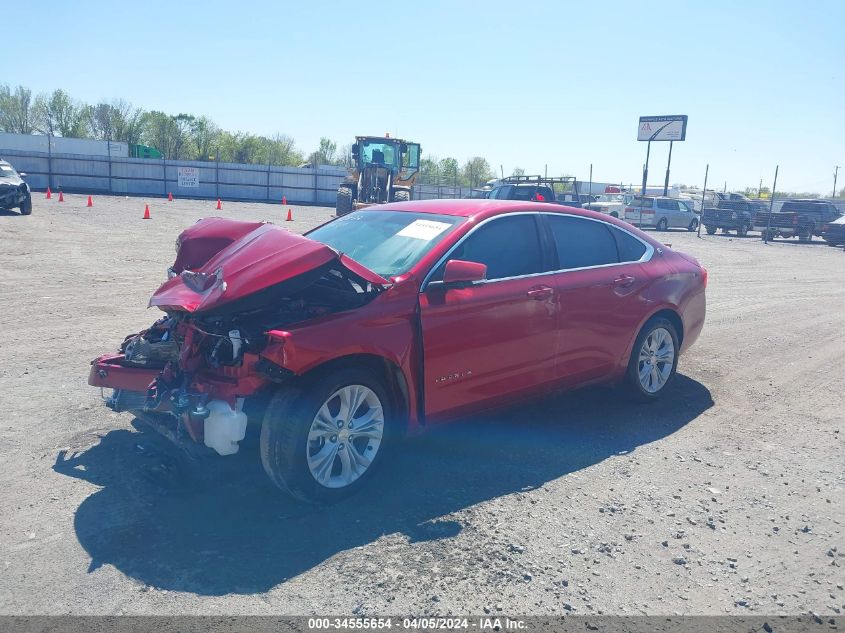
[[487, 343]]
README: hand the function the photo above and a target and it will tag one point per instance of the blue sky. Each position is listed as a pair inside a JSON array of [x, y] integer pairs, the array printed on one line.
[[522, 84]]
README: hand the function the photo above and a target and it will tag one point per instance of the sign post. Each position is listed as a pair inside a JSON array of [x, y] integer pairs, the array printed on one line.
[[670, 128]]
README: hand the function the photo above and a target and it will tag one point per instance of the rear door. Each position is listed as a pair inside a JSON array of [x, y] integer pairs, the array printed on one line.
[[598, 285], [495, 339]]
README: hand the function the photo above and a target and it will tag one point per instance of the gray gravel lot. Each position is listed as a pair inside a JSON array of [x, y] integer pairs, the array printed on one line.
[[724, 497]]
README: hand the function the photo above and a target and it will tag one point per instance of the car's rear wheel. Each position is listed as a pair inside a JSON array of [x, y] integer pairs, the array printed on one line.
[[26, 206], [742, 230], [654, 360], [662, 225], [711, 230], [321, 442]]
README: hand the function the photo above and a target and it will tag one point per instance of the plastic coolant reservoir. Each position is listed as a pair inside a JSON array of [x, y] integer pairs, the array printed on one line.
[[224, 427]]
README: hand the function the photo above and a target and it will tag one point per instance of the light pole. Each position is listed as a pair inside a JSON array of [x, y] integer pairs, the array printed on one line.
[[835, 174]]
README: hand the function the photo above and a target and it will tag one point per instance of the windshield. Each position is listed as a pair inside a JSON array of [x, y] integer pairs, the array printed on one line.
[[387, 242], [6, 171], [379, 153]]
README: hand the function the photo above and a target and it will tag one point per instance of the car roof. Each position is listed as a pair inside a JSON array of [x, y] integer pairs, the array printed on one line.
[[482, 208]]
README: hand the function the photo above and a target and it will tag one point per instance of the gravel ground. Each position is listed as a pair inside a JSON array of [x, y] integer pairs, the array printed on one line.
[[724, 497]]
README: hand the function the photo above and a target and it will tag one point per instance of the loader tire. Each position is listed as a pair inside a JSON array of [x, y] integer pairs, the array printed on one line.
[[344, 201], [401, 196]]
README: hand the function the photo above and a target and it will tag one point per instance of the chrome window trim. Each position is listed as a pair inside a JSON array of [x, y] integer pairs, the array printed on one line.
[[646, 257]]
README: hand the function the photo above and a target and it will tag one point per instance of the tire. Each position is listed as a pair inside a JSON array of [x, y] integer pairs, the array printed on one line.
[[662, 225], [344, 201], [401, 195], [711, 230], [693, 226], [805, 235], [646, 389], [742, 230], [26, 206], [767, 235], [613, 214], [292, 415]]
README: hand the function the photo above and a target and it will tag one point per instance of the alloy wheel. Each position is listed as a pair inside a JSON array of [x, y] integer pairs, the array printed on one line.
[[656, 360], [345, 436]]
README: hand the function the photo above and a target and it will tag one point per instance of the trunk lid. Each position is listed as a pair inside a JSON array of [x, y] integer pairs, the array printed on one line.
[[260, 258]]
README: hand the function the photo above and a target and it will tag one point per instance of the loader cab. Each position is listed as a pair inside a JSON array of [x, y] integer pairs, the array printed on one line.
[[397, 156]]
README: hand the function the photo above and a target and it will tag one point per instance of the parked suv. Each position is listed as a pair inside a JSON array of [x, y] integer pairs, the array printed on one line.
[[392, 319], [539, 189], [14, 192], [657, 212]]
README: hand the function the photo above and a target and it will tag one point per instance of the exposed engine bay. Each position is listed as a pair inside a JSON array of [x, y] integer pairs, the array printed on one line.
[[205, 362]]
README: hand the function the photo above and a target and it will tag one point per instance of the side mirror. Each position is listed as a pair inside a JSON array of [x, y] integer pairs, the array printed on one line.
[[461, 274], [22, 174], [354, 149]]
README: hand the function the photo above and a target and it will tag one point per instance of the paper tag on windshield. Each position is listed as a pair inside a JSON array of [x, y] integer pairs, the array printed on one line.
[[424, 229]]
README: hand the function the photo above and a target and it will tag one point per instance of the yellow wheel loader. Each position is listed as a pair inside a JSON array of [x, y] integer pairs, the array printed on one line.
[[385, 170]]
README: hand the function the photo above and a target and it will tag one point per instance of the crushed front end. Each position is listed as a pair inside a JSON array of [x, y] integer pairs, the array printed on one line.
[[221, 342]]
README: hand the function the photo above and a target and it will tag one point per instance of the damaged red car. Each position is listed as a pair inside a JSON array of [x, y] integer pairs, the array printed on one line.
[[392, 319]]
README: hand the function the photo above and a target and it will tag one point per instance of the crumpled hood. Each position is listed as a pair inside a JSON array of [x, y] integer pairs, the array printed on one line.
[[261, 256]]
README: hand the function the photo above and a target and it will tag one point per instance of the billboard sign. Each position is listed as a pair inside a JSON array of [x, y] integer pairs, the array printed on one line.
[[663, 128], [188, 177]]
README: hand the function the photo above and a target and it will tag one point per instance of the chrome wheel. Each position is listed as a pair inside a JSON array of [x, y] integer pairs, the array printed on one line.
[[656, 360], [345, 436]]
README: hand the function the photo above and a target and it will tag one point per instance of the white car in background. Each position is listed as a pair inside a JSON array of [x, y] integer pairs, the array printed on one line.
[[610, 203]]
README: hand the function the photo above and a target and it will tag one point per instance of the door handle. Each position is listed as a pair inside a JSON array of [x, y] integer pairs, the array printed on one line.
[[540, 292], [624, 281]]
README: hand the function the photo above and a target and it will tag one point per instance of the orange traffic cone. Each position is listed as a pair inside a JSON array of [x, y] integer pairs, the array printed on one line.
[[219, 206], [49, 193], [90, 202], [290, 216], [284, 201], [147, 212], [170, 196], [61, 197]]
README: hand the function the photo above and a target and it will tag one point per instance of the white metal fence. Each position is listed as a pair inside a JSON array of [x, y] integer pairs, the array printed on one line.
[[157, 177]]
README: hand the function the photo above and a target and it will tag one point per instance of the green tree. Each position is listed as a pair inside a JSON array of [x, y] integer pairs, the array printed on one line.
[[59, 115], [325, 154], [476, 171], [448, 172], [17, 110]]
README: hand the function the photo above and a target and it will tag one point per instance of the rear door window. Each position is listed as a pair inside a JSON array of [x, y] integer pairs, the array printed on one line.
[[667, 205], [581, 243]]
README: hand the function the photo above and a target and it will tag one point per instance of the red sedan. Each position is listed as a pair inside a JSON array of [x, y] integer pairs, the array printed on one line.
[[392, 319]]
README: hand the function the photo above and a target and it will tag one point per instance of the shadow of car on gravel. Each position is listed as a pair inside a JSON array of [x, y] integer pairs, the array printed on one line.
[[235, 533]]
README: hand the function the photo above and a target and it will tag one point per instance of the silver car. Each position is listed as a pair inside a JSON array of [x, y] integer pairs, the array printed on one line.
[[657, 212]]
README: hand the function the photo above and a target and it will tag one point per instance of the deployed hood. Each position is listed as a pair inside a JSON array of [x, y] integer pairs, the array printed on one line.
[[260, 257]]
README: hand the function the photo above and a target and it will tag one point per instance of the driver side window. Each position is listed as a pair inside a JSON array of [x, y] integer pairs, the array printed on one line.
[[509, 247]]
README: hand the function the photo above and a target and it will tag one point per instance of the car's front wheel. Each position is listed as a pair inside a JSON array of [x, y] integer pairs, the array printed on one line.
[[26, 206], [654, 359], [693, 226], [320, 442]]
